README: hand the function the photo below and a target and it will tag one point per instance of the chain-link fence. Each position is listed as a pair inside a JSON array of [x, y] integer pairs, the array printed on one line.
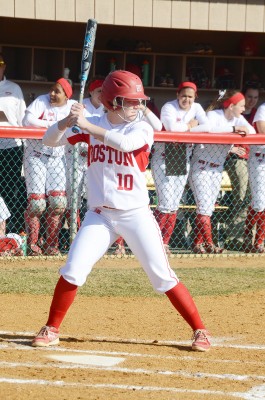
[[205, 202]]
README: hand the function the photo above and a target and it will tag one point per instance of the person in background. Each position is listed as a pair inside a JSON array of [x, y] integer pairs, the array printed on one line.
[[171, 162], [10, 244], [12, 111], [4, 215], [93, 107], [224, 115], [45, 170], [120, 144], [237, 168], [92, 103], [256, 210]]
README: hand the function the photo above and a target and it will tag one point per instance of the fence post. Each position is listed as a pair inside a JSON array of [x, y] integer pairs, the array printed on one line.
[[74, 194]]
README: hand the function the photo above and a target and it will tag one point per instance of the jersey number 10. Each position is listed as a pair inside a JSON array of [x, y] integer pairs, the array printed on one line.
[[125, 182]]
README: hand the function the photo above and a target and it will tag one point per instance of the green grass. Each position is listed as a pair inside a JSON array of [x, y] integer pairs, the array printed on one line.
[[133, 282]]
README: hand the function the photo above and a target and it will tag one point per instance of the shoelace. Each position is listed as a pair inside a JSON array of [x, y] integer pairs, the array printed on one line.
[[43, 331], [200, 335]]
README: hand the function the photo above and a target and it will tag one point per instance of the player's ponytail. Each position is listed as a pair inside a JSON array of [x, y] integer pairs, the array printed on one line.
[[220, 101]]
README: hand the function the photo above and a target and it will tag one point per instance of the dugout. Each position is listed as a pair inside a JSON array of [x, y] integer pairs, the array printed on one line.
[[214, 43]]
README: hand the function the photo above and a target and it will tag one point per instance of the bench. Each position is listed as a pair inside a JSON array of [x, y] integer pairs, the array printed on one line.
[[225, 186]]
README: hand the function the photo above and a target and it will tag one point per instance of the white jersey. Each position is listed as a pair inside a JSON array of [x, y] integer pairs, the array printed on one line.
[[259, 116], [216, 153], [41, 114], [4, 211], [91, 109], [116, 168], [13, 107], [176, 119]]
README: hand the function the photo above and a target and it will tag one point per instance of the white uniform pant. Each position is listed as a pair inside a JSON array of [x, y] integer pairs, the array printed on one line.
[[44, 173], [256, 167], [205, 181], [4, 211], [101, 227], [170, 188], [80, 173]]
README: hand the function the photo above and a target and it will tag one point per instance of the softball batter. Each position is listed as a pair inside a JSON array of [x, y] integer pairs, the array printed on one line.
[[208, 163], [119, 203], [45, 171], [180, 115]]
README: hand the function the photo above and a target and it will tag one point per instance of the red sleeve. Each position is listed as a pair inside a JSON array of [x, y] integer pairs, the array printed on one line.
[[79, 137], [142, 157]]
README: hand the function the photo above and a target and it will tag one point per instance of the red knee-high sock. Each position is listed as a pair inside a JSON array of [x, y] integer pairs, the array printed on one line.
[[120, 241], [32, 227], [168, 227], [183, 302], [251, 220], [68, 218], [198, 237], [166, 222], [260, 232], [63, 297], [160, 217], [206, 228]]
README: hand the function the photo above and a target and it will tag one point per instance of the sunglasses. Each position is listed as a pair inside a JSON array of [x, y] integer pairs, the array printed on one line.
[[2, 63]]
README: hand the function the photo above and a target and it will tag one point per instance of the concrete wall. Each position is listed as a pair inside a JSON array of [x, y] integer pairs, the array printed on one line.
[[222, 15]]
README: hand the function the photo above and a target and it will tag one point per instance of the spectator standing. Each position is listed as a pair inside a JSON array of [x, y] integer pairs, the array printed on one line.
[[237, 168], [12, 110], [208, 160], [171, 162], [45, 169]]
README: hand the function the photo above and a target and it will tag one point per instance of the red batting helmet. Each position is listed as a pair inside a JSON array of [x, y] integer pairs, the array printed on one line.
[[121, 84]]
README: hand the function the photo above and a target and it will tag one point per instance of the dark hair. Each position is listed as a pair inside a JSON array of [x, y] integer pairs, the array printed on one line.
[[250, 85], [218, 103]]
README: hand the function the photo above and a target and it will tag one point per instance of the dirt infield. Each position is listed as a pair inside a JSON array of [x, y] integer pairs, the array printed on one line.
[[135, 348]]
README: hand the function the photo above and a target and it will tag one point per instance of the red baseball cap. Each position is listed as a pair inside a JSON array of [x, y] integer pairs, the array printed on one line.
[[66, 87], [187, 84], [95, 84]]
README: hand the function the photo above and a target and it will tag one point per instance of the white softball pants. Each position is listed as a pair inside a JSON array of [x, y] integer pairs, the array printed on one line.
[[256, 168], [205, 182], [169, 189], [101, 227], [43, 173], [81, 174]]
